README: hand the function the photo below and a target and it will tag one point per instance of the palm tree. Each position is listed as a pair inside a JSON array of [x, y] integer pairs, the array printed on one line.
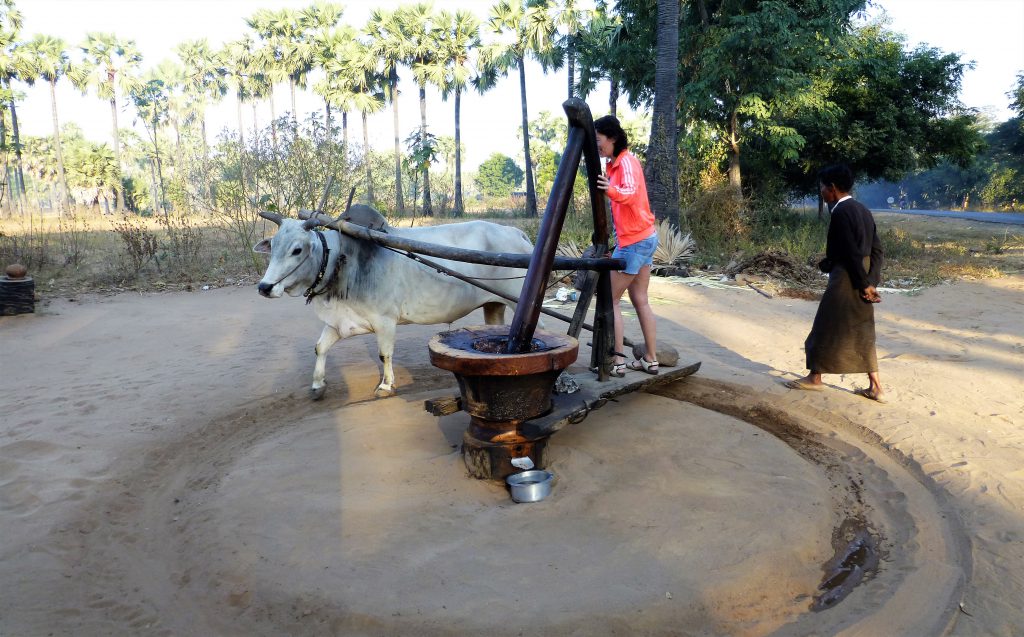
[[339, 58], [359, 69], [109, 66], [331, 52], [321, 37], [461, 37], [529, 30], [236, 59], [267, 62], [389, 44], [172, 75], [599, 34], [662, 152], [46, 57], [424, 37], [203, 81], [10, 25], [150, 98], [574, 20]]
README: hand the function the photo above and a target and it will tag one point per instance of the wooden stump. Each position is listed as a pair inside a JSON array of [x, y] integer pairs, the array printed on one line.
[[17, 296]]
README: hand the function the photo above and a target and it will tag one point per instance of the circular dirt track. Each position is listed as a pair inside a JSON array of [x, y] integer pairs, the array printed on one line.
[[701, 510]]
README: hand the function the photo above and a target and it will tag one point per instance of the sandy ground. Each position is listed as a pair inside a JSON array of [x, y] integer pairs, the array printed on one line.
[[162, 473]]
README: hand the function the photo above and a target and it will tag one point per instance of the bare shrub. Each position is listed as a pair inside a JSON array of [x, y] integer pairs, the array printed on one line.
[[184, 242], [140, 245], [73, 232]]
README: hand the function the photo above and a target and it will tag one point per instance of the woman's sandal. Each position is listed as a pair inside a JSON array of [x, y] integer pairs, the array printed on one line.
[[641, 365], [618, 370]]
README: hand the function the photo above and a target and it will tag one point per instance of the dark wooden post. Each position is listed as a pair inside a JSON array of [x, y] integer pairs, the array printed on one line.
[[581, 142]]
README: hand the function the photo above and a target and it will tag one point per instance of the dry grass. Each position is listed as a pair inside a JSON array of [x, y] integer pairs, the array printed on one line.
[[924, 250], [86, 252]]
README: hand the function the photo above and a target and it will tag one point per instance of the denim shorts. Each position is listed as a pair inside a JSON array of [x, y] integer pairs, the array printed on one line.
[[638, 254]]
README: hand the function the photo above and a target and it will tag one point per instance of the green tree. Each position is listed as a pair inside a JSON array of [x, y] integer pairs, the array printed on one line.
[[523, 29], [365, 81], [203, 81], [571, 21], [498, 176], [46, 58], [600, 34], [459, 39], [10, 67], [389, 43], [92, 171], [740, 64], [150, 100], [109, 67], [883, 110], [424, 34]]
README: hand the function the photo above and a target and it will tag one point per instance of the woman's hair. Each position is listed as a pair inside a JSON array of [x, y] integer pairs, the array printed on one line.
[[838, 175], [609, 127]]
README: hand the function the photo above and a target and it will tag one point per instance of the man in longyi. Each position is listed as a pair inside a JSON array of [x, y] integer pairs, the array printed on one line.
[[842, 338]]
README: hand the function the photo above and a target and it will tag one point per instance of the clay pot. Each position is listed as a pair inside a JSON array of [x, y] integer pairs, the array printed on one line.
[[16, 271]]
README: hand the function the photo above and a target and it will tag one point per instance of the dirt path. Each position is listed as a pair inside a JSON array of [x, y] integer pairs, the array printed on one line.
[[161, 472]]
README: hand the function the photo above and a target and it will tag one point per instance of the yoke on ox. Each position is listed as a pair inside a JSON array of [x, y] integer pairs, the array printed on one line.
[[506, 376]]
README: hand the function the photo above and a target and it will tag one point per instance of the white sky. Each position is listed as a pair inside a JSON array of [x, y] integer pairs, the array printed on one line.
[[988, 32]]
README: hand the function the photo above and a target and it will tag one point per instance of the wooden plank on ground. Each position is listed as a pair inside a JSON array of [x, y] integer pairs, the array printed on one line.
[[570, 409]]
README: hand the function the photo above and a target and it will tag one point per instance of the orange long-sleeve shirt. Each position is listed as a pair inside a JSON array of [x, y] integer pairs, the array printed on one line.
[[631, 211]]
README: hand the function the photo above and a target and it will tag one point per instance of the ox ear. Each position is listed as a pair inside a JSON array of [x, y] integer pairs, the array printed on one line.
[[262, 247]]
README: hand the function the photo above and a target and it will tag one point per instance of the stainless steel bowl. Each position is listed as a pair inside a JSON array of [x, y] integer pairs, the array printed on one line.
[[530, 486]]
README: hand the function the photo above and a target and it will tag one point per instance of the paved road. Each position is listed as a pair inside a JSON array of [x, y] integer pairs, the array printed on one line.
[[1015, 218]]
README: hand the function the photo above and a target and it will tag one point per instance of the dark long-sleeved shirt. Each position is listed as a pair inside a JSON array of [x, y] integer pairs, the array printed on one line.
[[851, 237]]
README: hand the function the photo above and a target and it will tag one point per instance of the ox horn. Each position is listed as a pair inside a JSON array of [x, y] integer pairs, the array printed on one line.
[[272, 216]]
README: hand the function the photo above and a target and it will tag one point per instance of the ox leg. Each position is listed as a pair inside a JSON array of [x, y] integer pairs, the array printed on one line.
[[494, 313], [328, 337], [386, 348]]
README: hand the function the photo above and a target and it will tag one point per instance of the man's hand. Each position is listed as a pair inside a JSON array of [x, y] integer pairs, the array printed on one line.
[[870, 294]]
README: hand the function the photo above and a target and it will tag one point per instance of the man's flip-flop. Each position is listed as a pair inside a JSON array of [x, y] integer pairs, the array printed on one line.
[[870, 395], [801, 384]]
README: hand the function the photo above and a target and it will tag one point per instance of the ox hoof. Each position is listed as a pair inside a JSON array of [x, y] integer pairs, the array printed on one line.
[[384, 393], [317, 393]]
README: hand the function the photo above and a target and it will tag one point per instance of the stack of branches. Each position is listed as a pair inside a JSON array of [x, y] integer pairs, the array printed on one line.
[[789, 275]]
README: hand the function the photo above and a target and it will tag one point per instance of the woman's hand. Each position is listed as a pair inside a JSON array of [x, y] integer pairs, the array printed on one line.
[[602, 182]]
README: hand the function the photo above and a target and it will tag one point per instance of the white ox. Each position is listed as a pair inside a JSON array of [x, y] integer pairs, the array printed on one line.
[[362, 287]]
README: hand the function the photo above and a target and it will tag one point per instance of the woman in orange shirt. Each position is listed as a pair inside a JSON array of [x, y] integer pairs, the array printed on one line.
[[636, 238]]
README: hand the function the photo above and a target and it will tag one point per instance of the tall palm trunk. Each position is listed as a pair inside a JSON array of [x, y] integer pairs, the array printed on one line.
[[366, 155], [399, 199], [531, 193], [344, 133], [327, 111], [570, 61], [61, 175], [661, 170], [241, 128], [17, 148], [273, 123], [428, 208], [117, 155], [159, 170], [458, 209], [295, 110], [613, 96]]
